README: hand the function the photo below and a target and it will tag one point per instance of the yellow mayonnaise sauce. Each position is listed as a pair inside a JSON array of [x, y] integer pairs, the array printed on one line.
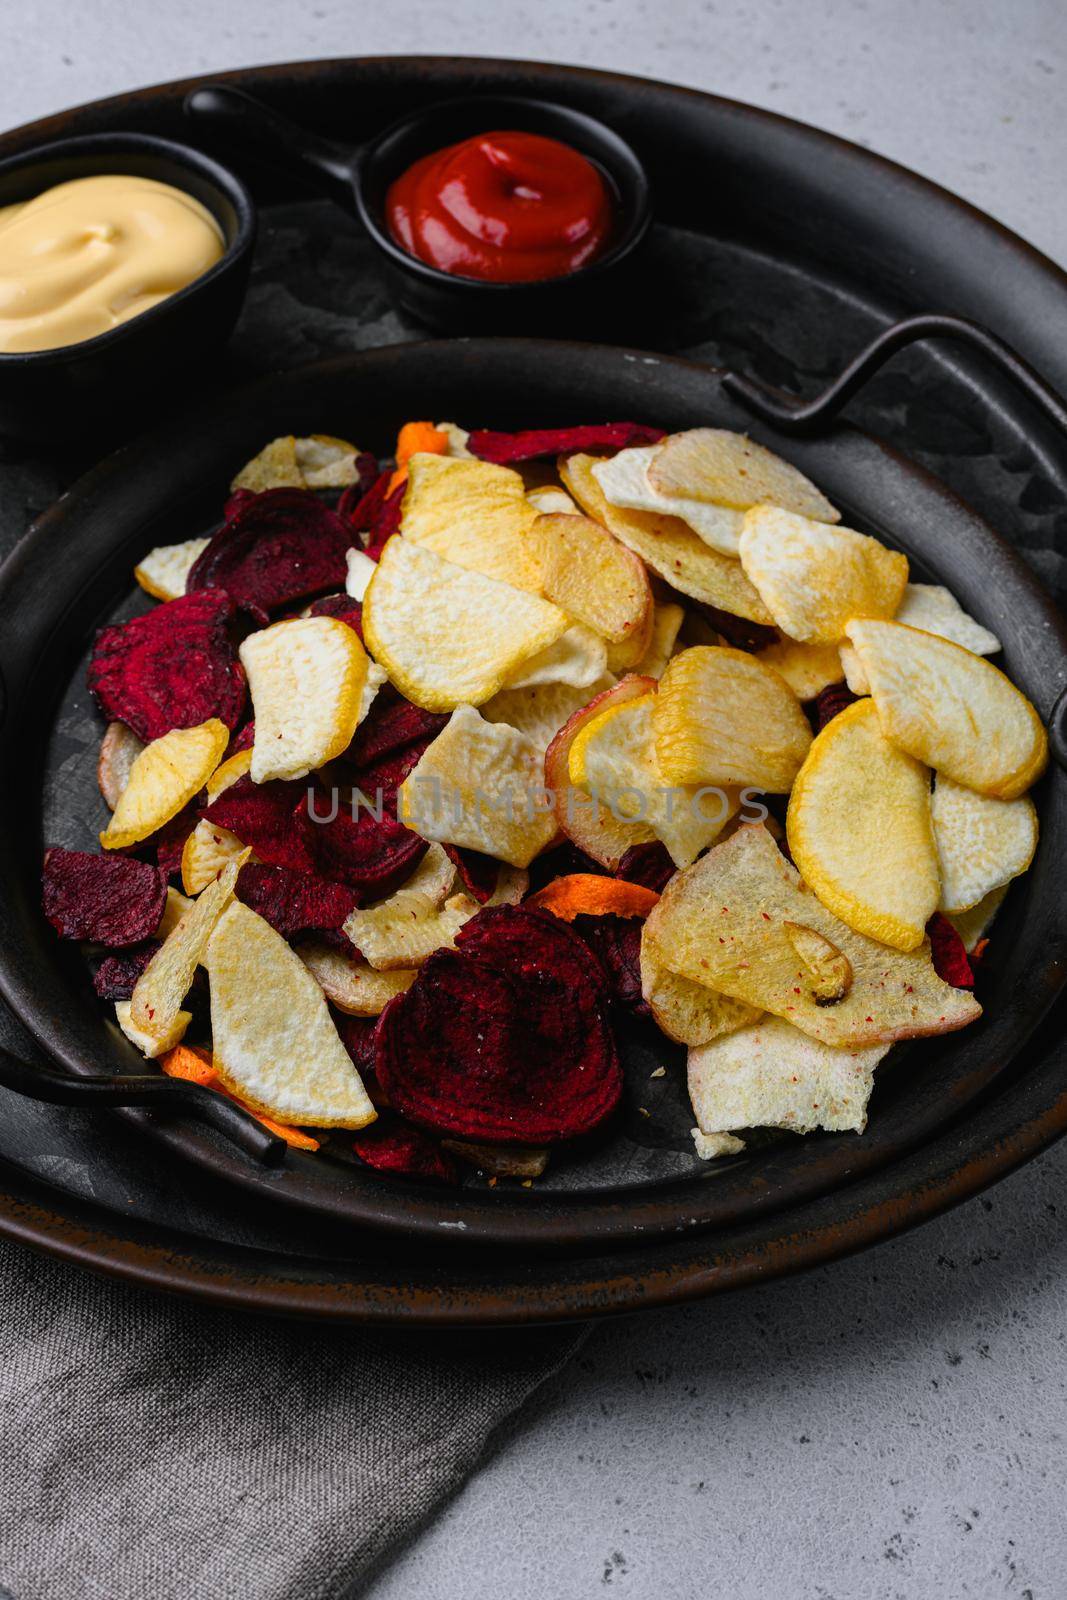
[[86, 255]]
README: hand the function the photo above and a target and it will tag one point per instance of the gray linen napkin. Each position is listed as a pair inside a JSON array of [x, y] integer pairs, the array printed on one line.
[[155, 1448]]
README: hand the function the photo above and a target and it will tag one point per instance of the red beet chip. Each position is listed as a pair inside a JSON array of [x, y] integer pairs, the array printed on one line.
[[264, 817], [737, 631], [295, 902], [505, 448], [386, 522], [280, 546], [357, 1036], [243, 739], [108, 899], [115, 977], [392, 724], [169, 840], [947, 953], [648, 864], [390, 1146], [829, 703], [478, 872], [505, 1039], [343, 607], [360, 506], [174, 667], [616, 943], [369, 850], [236, 502]]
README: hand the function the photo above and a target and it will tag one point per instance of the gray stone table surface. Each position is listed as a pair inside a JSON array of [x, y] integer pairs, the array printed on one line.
[[894, 1426]]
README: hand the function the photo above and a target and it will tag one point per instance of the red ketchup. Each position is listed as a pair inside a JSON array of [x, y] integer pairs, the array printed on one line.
[[504, 207]]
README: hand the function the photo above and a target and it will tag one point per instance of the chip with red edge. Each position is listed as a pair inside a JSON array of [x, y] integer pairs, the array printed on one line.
[[386, 522], [648, 864], [105, 899], [616, 943], [948, 954], [393, 724], [392, 1146], [264, 817], [828, 704], [280, 546], [174, 667], [295, 902], [478, 873], [341, 606], [117, 974], [359, 506], [367, 474], [503, 449]]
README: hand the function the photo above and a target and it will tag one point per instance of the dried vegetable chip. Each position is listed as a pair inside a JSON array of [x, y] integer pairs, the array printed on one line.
[[592, 577], [813, 577], [981, 843], [204, 854], [591, 894], [587, 822], [541, 712], [341, 606], [165, 570], [307, 679], [667, 620], [195, 1067], [500, 1161], [578, 658], [624, 480], [729, 469], [116, 976], [973, 925], [352, 984], [163, 779], [687, 1012], [948, 953], [722, 717], [474, 515], [110, 900], [647, 864], [156, 1001], [295, 902], [360, 571], [119, 749], [280, 546], [357, 839], [829, 703], [933, 609], [808, 669], [533, 443], [150, 1044], [404, 1152], [264, 817]]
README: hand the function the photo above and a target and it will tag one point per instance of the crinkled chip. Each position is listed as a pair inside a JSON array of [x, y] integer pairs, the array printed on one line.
[[419, 918], [447, 636], [307, 678], [351, 983], [155, 1004], [541, 711], [667, 545], [688, 1012], [982, 843], [591, 576], [163, 571], [119, 749], [806, 668], [951, 709], [723, 923], [274, 1042], [174, 667], [586, 821], [163, 779], [475, 515], [859, 830], [770, 1075], [110, 900], [204, 854], [624, 480], [479, 785], [933, 609], [729, 469], [722, 717], [578, 658], [532, 443], [813, 577], [277, 547]]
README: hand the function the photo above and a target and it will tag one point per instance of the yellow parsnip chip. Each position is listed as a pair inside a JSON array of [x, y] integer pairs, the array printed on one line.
[[227, 773], [447, 636], [164, 570], [624, 480], [307, 678], [588, 822], [119, 749], [806, 668], [473, 514], [934, 609], [402, 932], [592, 576], [981, 843], [549, 497], [687, 1012], [813, 577], [770, 1075], [723, 923], [167, 979], [352, 984], [667, 545], [859, 830], [205, 852], [164, 778], [721, 716], [173, 912], [951, 709], [151, 1045], [729, 469], [316, 462], [274, 1042]]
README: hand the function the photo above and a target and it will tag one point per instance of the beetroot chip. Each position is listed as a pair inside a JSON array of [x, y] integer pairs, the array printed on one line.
[[170, 839], [478, 873], [737, 631], [616, 943], [264, 817], [243, 739], [237, 502], [648, 864], [174, 667], [115, 977], [341, 606], [828, 703], [392, 724], [504, 1039], [357, 1036], [279, 546], [948, 954], [505, 448], [360, 506], [386, 522], [110, 899], [295, 902], [369, 850], [390, 1146], [560, 862]]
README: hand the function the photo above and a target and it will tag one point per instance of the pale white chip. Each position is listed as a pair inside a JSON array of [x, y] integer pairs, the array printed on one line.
[[119, 749], [405, 930], [973, 925], [151, 1045], [158, 993], [352, 984], [731, 469], [667, 620], [447, 636], [307, 678], [933, 609], [479, 785], [852, 667], [165, 570], [982, 843], [274, 1042], [624, 480], [325, 462], [550, 499], [540, 712], [771, 1075], [360, 572], [814, 577], [578, 658], [457, 440], [710, 1146], [176, 906]]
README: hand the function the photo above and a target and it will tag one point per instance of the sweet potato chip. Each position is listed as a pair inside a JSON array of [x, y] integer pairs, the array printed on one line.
[[119, 749], [474, 515], [813, 577], [588, 822], [274, 1043], [859, 830], [206, 851], [591, 576], [722, 717], [770, 1075], [722, 923], [110, 900], [688, 1012], [589, 894], [806, 668], [351, 983], [447, 636], [667, 545], [533, 443], [163, 779], [624, 480], [164, 571], [981, 843], [307, 679], [729, 469], [952, 709], [167, 979], [578, 658]]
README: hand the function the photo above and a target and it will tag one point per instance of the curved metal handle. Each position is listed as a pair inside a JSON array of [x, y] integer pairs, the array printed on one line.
[[261, 131], [143, 1089]]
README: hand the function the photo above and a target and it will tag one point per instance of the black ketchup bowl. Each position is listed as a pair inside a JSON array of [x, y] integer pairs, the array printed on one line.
[[358, 179], [73, 387]]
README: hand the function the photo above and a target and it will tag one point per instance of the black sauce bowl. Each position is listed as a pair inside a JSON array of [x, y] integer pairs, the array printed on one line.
[[73, 387], [357, 177]]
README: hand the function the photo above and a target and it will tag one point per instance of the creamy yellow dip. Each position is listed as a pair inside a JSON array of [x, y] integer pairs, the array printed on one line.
[[84, 256]]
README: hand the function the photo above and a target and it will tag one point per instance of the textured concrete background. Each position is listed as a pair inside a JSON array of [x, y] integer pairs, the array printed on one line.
[[892, 1428]]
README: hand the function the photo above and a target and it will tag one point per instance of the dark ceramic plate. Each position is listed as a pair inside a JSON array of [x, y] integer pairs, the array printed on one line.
[[809, 247]]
